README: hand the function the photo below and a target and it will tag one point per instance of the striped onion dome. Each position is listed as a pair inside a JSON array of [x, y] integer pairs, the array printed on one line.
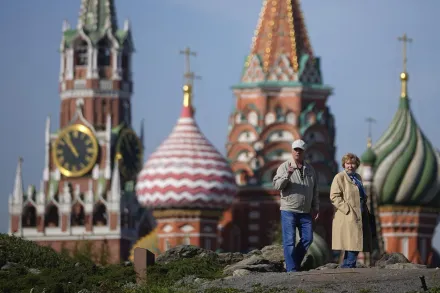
[[406, 166], [186, 171]]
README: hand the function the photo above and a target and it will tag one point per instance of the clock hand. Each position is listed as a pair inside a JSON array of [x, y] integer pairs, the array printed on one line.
[[70, 145]]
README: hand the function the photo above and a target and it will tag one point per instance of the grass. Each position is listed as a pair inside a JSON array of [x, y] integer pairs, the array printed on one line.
[[63, 273]]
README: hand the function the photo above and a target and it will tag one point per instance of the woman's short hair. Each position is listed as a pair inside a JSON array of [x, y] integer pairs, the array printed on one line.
[[350, 157]]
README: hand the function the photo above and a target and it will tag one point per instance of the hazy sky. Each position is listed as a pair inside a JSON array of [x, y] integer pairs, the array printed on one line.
[[356, 40]]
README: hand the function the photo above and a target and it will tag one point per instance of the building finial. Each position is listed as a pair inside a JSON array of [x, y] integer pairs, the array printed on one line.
[[370, 121], [404, 77], [189, 79]]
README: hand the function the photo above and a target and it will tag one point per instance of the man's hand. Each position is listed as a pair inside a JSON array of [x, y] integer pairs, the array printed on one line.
[[316, 217], [290, 169]]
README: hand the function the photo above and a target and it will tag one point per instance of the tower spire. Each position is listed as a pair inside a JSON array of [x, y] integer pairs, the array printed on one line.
[[370, 121], [281, 30], [189, 76], [18, 184], [97, 15], [404, 77]]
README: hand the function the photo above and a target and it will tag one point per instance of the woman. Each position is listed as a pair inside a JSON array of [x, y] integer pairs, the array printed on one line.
[[351, 228]]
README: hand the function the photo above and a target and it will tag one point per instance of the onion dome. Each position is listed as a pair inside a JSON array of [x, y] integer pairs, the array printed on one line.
[[407, 166], [318, 250], [186, 171], [368, 157]]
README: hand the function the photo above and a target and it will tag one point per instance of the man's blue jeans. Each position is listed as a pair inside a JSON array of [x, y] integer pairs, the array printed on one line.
[[350, 258], [289, 222]]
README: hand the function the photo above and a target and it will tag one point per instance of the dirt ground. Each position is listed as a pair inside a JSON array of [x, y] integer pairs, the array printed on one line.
[[338, 281]]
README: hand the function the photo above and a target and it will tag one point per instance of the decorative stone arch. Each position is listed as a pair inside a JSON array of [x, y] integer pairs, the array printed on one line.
[[239, 129], [279, 126], [242, 172], [236, 148], [272, 148]]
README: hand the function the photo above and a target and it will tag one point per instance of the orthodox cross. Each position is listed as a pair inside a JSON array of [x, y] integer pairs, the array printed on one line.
[[404, 39], [370, 121], [189, 75]]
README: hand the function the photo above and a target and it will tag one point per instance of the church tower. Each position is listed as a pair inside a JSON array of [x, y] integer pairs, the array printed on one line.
[[92, 160], [280, 97]]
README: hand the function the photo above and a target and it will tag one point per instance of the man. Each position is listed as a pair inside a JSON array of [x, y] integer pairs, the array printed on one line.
[[298, 186]]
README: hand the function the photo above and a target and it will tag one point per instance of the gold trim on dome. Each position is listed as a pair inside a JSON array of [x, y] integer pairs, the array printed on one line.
[[294, 56], [257, 32]]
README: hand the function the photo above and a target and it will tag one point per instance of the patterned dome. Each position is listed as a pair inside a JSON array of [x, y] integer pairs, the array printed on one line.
[[186, 171], [406, 166]]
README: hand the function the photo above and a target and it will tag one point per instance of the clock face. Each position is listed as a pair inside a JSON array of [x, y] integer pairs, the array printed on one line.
[[75, 151], [129, 153]]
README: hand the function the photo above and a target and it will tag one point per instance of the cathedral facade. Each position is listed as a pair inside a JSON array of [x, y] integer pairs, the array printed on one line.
[[281, 97]]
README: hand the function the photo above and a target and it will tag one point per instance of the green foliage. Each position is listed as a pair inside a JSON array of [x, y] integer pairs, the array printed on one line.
[[29, 254]]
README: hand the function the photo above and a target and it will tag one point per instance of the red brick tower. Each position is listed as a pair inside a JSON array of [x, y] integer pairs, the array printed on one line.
[[91, 162], [281, 97]]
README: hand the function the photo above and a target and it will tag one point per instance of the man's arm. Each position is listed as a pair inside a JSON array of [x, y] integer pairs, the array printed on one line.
[[281, 179]]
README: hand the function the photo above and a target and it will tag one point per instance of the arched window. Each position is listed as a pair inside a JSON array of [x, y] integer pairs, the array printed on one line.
[[253, 118], [29, 217], [52, 217], [270, 118], [291, 118], [104, 53], [100, 215], [77, 217], [81, 54]]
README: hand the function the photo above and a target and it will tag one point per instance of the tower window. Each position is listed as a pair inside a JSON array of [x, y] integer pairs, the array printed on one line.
[[81, 54], [104, 53]]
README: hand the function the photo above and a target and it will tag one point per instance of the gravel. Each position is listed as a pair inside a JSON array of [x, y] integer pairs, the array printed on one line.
[[336, 280]]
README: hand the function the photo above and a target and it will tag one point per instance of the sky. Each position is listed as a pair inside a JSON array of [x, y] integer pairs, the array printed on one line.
[[361, 59]]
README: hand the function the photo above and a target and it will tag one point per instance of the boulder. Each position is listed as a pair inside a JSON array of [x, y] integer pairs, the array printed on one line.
[[228, 258], [185, 251], [254, 263], [391, 258]]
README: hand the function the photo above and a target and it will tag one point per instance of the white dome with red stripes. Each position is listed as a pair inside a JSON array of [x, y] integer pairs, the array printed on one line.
[[186, 171]]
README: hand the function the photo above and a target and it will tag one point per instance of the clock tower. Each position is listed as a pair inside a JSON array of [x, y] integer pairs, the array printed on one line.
[[92, 159]]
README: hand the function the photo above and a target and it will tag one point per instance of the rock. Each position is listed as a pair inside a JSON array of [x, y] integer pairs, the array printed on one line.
[[34, 271], [402, 266], [328, 266], [184, 251], [9, 265], [361, 265], [230, 257], [253, 252], [391, 258], [273, 253], [240, 273], [254, 263]]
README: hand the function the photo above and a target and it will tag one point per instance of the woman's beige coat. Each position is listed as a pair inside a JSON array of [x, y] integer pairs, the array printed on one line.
[[347, 232]]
